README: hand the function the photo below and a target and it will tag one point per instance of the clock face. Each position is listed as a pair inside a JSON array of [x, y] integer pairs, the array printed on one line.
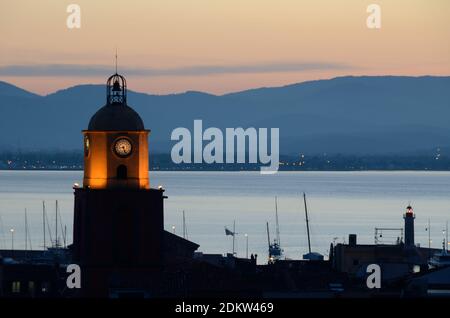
[[86, 146], [122, 147]]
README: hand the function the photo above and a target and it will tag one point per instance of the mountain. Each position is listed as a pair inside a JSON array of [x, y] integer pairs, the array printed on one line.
[[9, 90], [348, 115]]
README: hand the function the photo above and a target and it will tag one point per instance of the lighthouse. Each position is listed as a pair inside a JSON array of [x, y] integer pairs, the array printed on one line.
[[409, 217]]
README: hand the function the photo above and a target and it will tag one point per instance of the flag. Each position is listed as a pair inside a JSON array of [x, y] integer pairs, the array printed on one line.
[[228, 232]]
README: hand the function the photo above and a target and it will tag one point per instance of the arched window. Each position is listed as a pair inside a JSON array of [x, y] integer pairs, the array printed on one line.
[[121, 172]]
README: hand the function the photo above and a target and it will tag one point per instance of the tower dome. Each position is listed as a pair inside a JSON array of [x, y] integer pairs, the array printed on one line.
[[116, 115], [116, 143]]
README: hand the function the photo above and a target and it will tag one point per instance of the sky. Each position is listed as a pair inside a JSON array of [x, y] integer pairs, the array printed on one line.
[[218, 46]]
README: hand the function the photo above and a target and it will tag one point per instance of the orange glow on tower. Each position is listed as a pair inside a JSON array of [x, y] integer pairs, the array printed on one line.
[[116, 143], [118, 219]]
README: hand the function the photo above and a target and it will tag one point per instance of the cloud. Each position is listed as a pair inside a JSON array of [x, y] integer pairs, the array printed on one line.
[[64, 70]]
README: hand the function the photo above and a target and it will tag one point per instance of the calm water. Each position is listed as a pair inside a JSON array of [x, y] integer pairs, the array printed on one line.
[[339, 203]]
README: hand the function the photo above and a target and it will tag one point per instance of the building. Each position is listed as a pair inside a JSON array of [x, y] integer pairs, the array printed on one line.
[[118, 217], [397, 260], [33, 274]]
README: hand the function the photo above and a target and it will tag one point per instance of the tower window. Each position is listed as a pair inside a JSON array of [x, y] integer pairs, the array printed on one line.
[[122, 172]]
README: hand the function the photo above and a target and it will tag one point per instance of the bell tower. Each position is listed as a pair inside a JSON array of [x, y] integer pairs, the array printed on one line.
[[118, 218], [116, 143]]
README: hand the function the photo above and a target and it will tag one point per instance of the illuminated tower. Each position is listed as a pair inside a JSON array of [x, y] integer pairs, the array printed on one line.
[[116, 143], [118, 218], [409, 226]]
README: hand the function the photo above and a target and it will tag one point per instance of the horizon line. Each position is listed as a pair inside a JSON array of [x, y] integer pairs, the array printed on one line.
[[228, 93]]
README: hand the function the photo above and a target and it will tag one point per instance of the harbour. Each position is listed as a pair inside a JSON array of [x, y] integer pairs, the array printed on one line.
[[125, 242], [339, 203], [212, 157]]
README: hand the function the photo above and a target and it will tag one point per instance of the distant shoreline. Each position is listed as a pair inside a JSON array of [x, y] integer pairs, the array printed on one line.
[[248, 170], [74, 161]]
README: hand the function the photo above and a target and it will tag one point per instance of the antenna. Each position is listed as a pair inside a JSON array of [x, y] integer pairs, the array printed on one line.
[[268, 234], [116, 60], [307, 222]]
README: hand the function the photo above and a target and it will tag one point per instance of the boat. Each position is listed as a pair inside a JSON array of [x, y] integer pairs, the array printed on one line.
[[275, 250], [311, 256], [440, 259]]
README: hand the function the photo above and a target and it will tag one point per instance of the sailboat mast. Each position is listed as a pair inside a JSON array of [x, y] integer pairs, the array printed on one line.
[[429, 235], [234, 233], [277, 224], [63, 232], [56, 225], [2, 230], [184, 226], [48, 227], [26, 231], [446, 233], [43, 222], [307, 222]]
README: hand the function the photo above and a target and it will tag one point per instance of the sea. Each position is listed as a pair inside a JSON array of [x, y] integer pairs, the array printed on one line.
[[339, 204]]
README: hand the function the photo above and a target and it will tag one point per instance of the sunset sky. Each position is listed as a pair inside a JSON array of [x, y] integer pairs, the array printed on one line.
[[218, 46]]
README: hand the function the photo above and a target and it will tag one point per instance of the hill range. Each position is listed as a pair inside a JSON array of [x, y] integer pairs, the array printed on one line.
[[344, 115]]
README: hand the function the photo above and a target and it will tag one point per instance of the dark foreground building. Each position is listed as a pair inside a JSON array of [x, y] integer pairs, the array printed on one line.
[[119, 237]]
